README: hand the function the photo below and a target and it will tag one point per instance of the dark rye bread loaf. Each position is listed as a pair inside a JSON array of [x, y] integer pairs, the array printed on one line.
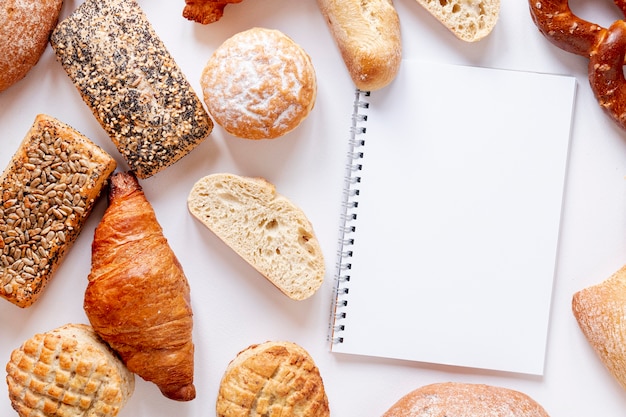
[[132, 84]]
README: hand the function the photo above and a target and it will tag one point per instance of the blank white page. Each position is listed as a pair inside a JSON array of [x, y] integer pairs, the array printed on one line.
[[458, 215]]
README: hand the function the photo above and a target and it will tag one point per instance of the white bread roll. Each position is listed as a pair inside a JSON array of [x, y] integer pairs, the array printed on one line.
[[599, 310], [457, 399], [264, 228], [368, 36], [468, 20]]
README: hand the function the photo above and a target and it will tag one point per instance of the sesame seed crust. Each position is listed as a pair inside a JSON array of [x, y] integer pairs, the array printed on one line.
[[133, 86], [46, 194]]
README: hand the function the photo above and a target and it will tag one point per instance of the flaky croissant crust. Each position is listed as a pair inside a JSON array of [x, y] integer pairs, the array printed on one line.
[[138, 298], [205, 11]]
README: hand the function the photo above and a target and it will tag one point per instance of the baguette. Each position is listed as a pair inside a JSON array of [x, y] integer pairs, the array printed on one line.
[[468, 20], [46, 194], [264, 228], [599, 311], [456, 399], [68, 371], [272, 378], [133, 86], [367, 33]]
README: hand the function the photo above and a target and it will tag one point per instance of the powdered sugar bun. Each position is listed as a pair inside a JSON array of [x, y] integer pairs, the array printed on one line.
[[259, 84], [25, 27], [457, 399]]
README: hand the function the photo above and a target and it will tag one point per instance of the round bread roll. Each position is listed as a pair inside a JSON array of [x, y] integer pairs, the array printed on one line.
[[457, 399], [272, 379], [259, 84], [25, 27], [68, 371]]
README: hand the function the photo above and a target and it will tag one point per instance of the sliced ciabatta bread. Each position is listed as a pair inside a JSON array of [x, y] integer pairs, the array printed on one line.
[[468, 20], [264, 228]]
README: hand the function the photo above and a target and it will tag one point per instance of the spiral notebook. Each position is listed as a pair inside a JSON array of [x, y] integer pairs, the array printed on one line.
[[450, 217]]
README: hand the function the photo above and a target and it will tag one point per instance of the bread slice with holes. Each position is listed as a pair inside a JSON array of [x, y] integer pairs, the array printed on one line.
[[468, 20], [264, 228]]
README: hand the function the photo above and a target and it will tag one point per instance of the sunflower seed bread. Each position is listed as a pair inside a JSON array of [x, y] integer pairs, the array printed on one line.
[[131, 83], [47, 191], [68, 372], [275, 378], [264, 228]]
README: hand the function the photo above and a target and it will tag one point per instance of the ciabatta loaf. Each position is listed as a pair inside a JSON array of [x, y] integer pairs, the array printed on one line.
[[68, 372], [457, 399], [367, 33], [272, 379], [47, 192], [599, 311], [468, 20], [264, 228]]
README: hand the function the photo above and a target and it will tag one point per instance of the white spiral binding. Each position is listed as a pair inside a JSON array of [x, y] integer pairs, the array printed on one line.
[[348, 215]]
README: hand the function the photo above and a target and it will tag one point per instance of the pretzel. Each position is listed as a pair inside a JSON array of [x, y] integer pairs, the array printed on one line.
[[604, 47]]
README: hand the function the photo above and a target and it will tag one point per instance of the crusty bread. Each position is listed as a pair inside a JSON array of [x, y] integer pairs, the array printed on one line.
[[140, 96], [68, 372], [206, 11], [48, 190], [259, 84], [264, 228], [272, 379], [468, 20], [25, 28], [457, 399], [367, 33], [599, 311]]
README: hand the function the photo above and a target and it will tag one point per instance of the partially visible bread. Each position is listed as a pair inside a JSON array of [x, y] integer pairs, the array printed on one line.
[[25, 27], [259, 84], [264, 228], [206, 11], [272, 379], [47, 192], [468, 20], [599, 311], [131, 83], [367, 33], [457, 399], [68, 372]]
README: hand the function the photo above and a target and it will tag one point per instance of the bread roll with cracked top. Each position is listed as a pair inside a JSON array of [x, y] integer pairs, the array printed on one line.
[[259, 84], [367, 33], [458, 399], [599, 311], [263, 227]]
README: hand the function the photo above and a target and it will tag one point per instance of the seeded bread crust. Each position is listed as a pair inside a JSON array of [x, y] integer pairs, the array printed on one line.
[[46, 194], [68, 372], [272, 378], [264, 228], [25, 27], [133, 86]]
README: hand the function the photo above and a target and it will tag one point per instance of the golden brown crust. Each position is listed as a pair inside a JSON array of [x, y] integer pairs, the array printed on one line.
[[259, 84], [47, 192], [599, 311], [25, 27], [67, 372], [272, 378], [138, 298], [205, 11], [367, 34], [455, 399]]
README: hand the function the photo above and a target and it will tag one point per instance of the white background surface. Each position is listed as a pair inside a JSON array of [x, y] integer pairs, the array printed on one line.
[[234, 307]]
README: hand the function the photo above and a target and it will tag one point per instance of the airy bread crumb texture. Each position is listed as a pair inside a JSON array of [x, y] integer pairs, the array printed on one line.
[[469, 20], [264, 228]]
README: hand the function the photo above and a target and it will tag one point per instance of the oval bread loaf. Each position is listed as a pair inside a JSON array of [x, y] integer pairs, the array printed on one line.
[[367, 33], [457, 399], [264, 228]]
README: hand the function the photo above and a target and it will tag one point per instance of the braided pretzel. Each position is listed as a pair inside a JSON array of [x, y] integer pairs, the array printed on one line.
[[604, 47]]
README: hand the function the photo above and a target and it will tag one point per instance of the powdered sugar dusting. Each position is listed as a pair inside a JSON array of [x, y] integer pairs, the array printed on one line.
[[259, 84]]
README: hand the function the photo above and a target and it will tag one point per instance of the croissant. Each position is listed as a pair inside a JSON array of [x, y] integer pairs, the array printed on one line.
[[206, 11], [138, 298]]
